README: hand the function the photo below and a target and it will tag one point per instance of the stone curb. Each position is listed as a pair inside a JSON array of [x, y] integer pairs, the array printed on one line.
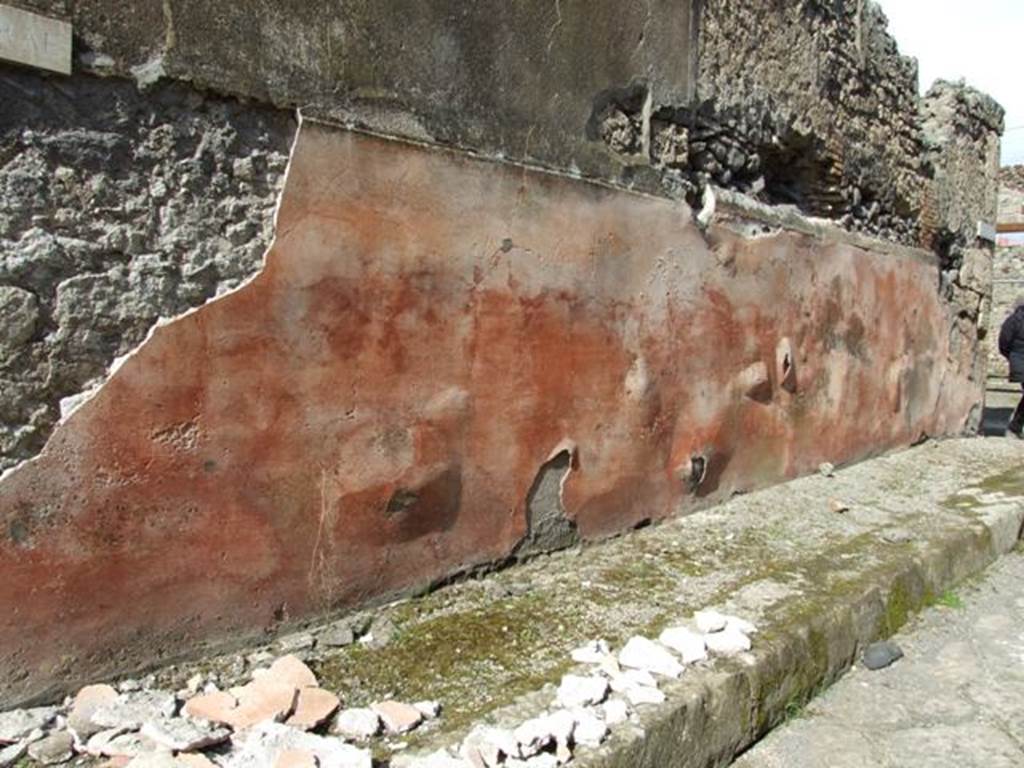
[[711, 716]]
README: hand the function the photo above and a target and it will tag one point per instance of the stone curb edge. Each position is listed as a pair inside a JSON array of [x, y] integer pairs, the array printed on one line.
[[710, 718]]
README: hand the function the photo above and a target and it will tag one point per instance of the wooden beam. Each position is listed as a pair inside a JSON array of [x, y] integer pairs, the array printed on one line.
[[1007, 227]]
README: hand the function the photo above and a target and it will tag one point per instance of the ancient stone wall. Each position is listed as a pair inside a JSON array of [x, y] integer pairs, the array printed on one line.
[[819, 91], [381, 406], [1008, 267], [508, 335], [961, 129], [116, 209]]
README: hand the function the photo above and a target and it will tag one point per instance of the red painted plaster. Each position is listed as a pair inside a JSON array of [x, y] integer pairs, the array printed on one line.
[[369, 413]]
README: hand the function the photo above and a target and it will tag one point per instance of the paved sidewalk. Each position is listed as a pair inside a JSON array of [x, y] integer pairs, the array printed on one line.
[[956, 700]]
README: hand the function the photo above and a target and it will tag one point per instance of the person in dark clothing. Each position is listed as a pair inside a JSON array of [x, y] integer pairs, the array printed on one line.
[[1011, 346]]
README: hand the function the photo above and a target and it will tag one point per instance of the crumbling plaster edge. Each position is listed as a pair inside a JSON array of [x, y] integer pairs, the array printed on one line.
[[76, 402]]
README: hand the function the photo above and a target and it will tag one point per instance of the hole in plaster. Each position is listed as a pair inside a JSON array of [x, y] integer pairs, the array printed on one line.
[[547, 527], [786, 365], [698, 471]]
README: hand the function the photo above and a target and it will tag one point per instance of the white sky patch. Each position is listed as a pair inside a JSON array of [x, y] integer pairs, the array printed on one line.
[[981, 42]]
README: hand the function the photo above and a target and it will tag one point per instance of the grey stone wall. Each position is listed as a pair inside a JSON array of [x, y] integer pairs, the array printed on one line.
[[960, 131], [117, 208], [518, 80], [822, 95]]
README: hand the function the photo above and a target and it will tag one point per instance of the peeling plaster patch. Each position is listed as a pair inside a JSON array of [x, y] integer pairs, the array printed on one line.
[[548, 529]]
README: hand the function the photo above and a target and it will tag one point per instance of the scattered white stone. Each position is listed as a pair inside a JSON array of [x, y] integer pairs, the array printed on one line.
[[590, 729], [615, 711], [19, 723], [55, 748], [642, 694], [741, 625], [593, 652], [561, 724], [12, 753], [610, 666], [184, 735], [687, 643], [357, 724], [431, 710], [488, 747], [641, 653], [294, 643], [129, 686], [194, 683], [578, 691], [114, 742], [727, 643], [130, 710], [260, 746], [533, 736], [710, 621], [632, 678]]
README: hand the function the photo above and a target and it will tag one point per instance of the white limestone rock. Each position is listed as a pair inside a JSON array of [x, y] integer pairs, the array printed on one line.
[[115, 742], [131, 710], [12, 753], [357, 724], [631, 678], [19, 723], [642, 694], [578, 691], [488, 747], [729, 642], [740, 625], [53, 749], [688, 644], [593, 652], [590, 729], [184, 735], [533, 735], [615, 711], [641, 653], [709, 621], [260, 746]]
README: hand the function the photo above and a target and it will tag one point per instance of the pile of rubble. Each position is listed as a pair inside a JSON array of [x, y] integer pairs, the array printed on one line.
[[587, 706], [280, 719]]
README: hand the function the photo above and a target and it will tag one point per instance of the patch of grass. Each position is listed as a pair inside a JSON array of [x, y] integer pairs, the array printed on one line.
[[795, 709], [950, 599], [478, 659]]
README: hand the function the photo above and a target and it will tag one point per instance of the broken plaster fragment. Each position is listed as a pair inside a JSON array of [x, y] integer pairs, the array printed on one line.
[[641, 653]]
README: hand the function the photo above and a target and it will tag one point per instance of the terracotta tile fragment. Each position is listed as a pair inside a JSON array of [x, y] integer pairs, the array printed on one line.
[[296, 758], [217, 707], [312, 707], [398, 717]]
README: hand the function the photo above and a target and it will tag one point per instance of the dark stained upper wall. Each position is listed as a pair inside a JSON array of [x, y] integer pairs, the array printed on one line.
[[511, 79]]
